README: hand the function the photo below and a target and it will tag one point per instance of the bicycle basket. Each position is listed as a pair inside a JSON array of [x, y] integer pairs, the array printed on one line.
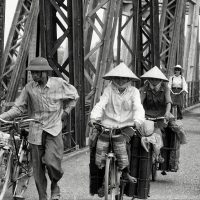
[[119, 147], [101, 150], [4, 138]]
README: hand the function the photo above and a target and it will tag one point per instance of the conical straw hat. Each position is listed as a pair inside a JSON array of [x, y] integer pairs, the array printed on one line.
[[120, 70], [156, 73]]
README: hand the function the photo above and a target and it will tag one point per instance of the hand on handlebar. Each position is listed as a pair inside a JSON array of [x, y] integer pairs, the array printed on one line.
[[137, 125], [92, 122], [167, 116]]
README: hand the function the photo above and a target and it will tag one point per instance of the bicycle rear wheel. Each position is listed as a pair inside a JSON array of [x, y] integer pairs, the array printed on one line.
[[5, 171], [112, 180], [21, 174]]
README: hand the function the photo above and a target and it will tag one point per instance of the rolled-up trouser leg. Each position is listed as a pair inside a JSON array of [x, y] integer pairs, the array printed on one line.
[[53, 155], [37, 153]]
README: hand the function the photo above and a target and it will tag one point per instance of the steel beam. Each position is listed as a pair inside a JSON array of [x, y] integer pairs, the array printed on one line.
[[16, 51], [66, 16], [143, 42], [2, 25], [170, 24]]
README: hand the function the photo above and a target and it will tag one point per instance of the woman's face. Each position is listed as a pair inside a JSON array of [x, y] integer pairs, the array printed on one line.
[[121, 81], [154, 81], [177, 71]]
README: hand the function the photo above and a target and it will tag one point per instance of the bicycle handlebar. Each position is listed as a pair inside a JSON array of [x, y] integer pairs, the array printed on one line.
[[17, 122], [96, 123], [155, 118]]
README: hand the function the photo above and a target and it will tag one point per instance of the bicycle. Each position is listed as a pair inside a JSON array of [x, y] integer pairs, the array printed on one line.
[[15, 165], [113, 181]]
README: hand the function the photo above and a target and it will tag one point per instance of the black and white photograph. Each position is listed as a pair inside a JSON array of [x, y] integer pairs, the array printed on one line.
[[99, 99]]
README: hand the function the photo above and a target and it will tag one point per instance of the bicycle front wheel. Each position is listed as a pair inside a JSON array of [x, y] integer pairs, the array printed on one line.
[[111, 180], [21, 174], [154, 171], [5, 171]]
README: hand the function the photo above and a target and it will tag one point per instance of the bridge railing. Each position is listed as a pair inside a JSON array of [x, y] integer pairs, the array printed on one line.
[[193, 96]]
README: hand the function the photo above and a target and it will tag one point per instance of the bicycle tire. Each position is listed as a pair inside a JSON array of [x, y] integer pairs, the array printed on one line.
[[110, 185], [5, 167], [21, 174]]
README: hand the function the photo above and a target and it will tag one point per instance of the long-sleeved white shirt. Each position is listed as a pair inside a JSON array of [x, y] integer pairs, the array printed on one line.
[[178, 82], [45, 105], [117, 110]]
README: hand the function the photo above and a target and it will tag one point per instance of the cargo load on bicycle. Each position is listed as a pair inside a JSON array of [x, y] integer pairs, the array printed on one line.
[[170, 151], [140, 167]]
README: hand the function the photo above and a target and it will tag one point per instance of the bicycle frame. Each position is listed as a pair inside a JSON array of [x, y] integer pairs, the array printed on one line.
[[16, 155]]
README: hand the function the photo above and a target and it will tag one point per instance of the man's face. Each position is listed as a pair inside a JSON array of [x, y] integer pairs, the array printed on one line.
[[39, 76]]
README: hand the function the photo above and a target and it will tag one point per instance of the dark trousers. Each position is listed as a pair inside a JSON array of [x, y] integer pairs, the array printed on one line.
[[47, 156]]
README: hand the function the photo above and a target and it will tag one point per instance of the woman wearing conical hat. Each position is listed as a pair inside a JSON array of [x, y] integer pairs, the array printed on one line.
[[156, 99], [178, 87], [120, 105]]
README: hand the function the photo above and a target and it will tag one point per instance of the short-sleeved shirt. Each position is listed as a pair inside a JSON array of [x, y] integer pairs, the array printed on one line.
[[154, 102]]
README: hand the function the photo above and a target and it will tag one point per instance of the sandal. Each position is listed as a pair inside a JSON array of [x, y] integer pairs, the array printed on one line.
[[55, 192], [101, 192], [55, 197]]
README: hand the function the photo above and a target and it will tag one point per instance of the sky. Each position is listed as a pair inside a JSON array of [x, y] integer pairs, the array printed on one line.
[[10, 10]]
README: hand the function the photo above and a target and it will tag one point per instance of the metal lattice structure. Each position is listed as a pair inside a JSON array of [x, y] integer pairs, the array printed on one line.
[[2, 24], [67, 17], [16, 50], [170, 26], [141, 27], [104, 26]]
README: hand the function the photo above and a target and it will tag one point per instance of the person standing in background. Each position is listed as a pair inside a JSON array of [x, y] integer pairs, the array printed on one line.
[[178, 87]]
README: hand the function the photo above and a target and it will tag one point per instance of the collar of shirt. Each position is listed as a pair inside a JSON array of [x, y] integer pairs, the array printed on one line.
[[162, 88], [118, 92]]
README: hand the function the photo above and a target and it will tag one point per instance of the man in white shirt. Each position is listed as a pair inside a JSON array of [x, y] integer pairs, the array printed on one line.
[[178, 87]]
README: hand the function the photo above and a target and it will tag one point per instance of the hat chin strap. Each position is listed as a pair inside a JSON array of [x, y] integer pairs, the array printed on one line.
[[157, 87]]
